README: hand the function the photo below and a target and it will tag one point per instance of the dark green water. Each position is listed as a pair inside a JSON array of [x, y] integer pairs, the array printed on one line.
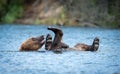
[[105, 61]]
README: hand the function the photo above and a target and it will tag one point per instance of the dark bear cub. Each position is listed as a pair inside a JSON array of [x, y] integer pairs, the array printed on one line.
[[56, 45], [32, 44]]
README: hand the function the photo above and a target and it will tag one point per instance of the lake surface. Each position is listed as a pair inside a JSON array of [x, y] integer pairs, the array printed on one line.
[[105, 61]]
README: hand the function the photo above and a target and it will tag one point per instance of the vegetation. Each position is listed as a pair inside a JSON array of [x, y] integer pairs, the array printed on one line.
[[103, 13], [10, 10]]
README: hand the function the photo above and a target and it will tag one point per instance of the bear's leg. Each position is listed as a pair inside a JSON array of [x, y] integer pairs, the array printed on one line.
[[56, 44], [95, 44], [48, 42]]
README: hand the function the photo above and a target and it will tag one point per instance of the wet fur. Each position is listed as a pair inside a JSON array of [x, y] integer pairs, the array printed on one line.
[[57, 43], [32, 44], [48, 42], [85, 47]]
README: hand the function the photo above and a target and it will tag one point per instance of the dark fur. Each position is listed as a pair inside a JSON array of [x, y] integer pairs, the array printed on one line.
[[48, 42], [57, 45]]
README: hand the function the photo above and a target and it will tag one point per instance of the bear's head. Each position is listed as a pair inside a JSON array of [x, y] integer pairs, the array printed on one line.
[[32, 44]]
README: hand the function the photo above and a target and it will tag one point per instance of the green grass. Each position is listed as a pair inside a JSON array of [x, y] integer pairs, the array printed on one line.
[[14, 12]]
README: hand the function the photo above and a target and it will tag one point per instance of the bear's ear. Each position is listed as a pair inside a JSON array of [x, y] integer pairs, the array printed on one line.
[[34, 39]]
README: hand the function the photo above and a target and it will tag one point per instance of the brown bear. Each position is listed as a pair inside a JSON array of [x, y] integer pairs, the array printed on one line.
[[32, 44], [85, 47], [57, 44]]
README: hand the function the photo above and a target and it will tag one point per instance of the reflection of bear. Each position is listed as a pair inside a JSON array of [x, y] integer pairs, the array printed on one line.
[[32, 44], [84, 47], [56, 45]]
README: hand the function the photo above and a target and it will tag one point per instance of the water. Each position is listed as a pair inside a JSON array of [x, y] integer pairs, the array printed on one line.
[[105, 61]]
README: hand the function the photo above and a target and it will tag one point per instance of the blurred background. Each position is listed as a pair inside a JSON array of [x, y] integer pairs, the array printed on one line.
[[83, 13]]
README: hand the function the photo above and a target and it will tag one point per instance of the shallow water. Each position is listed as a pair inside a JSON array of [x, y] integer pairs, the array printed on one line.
[[105, 61]]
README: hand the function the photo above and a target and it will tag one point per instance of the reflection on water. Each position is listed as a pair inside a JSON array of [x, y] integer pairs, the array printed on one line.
[[104, 61]]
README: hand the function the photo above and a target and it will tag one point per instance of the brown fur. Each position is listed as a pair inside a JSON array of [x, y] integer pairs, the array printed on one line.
[[81, 46], [32, 44], [57, 45], [85, 47]]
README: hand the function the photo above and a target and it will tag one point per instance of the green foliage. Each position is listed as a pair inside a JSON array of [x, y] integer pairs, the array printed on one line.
[[2, 5], [94, 1], [14, 12], [16, 2], [2, 2], [63, 15], [10, 10], [114, 7]]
